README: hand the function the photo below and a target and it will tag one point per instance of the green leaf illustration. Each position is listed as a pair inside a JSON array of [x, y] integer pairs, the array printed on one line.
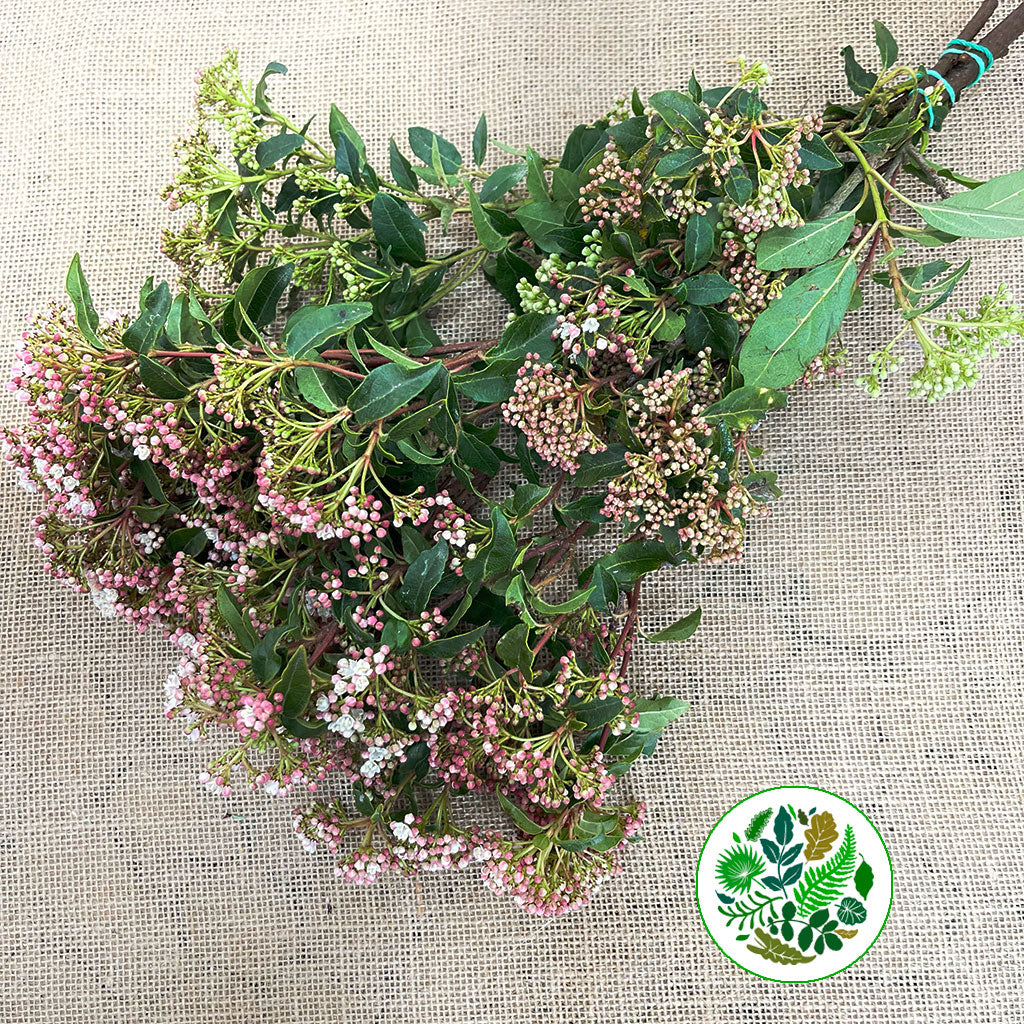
[[864, 879], [851, 911], [783, 827], [776, 950], [758, 823], [823, 884], [737, 868]]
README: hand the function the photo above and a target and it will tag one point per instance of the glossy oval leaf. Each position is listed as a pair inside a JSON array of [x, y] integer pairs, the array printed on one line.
[[992, 210], [808, 245]]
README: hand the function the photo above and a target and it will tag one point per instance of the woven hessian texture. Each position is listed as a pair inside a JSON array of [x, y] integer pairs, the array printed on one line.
[[870, 645]]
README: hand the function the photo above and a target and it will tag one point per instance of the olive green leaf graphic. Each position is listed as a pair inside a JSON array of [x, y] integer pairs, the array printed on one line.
[[776, 950], [864, 879], [757, 824], [820, 836], [737, 868], [822, 884], [851, 911], [846, 933]]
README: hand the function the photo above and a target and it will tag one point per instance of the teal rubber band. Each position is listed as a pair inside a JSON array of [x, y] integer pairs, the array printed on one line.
[[981, 55], [945, 85], [984, 51], [929, 97], [967, 53]]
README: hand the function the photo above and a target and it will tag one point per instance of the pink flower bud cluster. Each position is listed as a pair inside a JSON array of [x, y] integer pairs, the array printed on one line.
[[614, 193], [550, 409]]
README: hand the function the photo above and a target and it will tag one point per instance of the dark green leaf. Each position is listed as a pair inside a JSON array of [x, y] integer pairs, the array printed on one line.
[[160, 380], [682, 629], [86, 316], [276, 148], [143, 333], [308, 328], [401, 169], [273, 68], [745, 406], [887, 48], [992, 210], [422, 142], [699, 242], [295, 684], [237, 620], [398, 228], [422, 577], [480, 140], [388, 388], [500, 181]]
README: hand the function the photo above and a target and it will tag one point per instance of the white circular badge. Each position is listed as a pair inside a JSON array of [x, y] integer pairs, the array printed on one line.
[[794, 884]]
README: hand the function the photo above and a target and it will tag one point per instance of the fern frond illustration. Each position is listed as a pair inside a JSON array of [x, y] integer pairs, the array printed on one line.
[[823, 884], [820, 836], [777, 951], [744, 913], [737, 868], [757, 824]]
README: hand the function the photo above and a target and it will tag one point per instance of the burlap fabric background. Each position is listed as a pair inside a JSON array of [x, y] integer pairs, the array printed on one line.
[[871, 644]]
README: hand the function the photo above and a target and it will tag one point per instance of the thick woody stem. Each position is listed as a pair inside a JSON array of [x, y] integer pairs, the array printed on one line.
[[962, 70], [970, 31]]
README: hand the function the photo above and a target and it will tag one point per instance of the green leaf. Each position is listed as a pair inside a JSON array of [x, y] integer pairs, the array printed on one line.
[[309, 327], [682, 114], [808, 245], [295, 684], [189, 539], [237, 620], [389, 387], [527, 824], [680, 162], [745, 406], [816, 156], [276, 148], [160, 380], [699, 242], [340, 127], [682, 629], [992, 210], [539, 219], [572, 604], [273, 68], [598, 466], [255, 303], [422, 577], [822, 885], [633, 559], [707, 289], [401, 169], [797, 325], [398, 228], [491, 238], [530, 332], [77, 287], [861, 81], [449, 646], [320, 388], [887, 48], [655, 713], [500, 181], [422, 142], [535, 180], [630, 135], [143, 333], [480, 140], [864, 879]]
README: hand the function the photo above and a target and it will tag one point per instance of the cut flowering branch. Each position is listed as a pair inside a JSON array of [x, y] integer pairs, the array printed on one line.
[[371, 574]]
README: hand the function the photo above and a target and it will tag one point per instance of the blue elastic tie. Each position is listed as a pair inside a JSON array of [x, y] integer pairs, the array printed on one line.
[[928, 97], [982, 55]]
